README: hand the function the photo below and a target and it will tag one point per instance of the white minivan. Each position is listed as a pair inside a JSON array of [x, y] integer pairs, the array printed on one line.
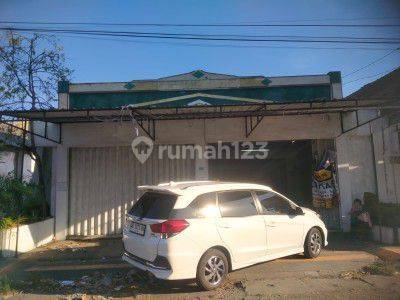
[[204, 229]]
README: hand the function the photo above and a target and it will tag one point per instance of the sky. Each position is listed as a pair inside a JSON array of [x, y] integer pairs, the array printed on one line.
[[101, 60]]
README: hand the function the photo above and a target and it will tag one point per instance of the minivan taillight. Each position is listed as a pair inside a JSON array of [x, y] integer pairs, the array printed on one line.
[[169, 228]]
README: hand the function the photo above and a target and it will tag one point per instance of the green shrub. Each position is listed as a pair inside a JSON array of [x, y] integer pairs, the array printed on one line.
[[10, 222], [5, 286], [20, 201], [386, 268]]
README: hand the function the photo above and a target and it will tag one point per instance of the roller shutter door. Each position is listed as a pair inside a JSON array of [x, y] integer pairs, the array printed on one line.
[[103, 185]]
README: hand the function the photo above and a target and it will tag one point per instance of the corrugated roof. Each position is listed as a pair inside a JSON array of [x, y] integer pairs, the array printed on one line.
[[385, 87]]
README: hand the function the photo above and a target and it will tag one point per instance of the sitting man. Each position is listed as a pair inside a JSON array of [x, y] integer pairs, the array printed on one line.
[[360, 220]]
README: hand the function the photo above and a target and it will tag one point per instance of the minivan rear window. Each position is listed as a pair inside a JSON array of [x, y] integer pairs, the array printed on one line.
[[154, 205]]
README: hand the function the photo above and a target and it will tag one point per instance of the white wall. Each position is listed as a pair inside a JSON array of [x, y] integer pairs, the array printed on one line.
[[204, 131], [7, 162], [387, 160], [368, 161], [30, 236], [60, 192], [356, 170]]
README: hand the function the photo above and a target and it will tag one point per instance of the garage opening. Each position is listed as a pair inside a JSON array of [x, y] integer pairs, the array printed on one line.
[[289, 168]]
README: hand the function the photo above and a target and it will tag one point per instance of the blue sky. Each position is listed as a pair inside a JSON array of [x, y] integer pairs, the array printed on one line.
[[97, 60]]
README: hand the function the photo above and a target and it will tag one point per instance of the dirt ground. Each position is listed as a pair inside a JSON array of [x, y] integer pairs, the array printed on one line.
[[93, 269]]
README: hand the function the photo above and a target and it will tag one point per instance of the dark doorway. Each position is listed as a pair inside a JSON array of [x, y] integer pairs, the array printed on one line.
[[287, 169]]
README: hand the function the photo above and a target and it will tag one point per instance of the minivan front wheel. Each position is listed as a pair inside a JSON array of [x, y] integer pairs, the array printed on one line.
[[212, 269], [313, 243]]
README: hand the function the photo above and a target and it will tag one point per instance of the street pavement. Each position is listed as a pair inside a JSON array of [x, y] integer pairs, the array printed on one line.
[[93, 269]]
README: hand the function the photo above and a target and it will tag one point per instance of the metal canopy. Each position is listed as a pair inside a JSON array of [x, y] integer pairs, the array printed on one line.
[[252, 113], [25, 129]]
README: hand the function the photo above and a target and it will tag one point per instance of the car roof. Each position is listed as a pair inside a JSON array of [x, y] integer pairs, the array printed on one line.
[[188, 190]]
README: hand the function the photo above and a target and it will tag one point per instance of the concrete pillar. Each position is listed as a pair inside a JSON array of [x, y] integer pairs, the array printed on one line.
[[380, 165], [336, 85], [19, 164], [60, 171], [201, 169], [344, 182], [337, 92], [63, 95], [201, 164]]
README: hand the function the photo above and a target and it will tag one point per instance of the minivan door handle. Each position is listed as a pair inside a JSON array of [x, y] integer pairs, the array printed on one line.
[[224, 226], [272, 224]]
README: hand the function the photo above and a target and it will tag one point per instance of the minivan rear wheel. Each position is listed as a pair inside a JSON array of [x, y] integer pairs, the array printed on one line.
[[212, 269]]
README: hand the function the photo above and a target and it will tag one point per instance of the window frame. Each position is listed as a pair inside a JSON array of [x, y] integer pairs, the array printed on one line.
[[184, 213], [239, 190], [154, 192], [278, 194]]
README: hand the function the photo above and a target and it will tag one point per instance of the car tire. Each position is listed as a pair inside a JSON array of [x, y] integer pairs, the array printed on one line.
[[313, 243], [212, 269]]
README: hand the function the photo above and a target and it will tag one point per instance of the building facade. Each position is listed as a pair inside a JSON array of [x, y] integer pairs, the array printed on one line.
[[299, 119]]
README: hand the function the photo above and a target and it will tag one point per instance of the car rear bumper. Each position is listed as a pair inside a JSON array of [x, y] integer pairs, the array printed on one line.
[[178, 271], [175, 258], [160, 273]]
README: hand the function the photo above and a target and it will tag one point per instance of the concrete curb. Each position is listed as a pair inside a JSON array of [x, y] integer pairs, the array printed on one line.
[[389, 253]]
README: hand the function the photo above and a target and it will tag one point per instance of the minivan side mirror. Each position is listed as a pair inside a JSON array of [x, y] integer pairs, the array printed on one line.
[[298, 211]]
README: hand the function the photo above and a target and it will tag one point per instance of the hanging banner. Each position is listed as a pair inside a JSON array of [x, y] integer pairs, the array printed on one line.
[[324, 186]]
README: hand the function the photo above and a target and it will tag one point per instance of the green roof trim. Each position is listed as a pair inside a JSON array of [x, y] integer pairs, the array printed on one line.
[[266, 81], [198, 74], [63, 86], [129, 85], [280, 94]]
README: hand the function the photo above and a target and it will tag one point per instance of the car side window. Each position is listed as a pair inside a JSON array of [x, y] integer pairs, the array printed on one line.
[[273, 204], [236, 204], [203, 206], [206, 205]]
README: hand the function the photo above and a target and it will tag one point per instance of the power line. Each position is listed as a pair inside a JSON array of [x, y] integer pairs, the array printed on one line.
[[219, 35], [370, 76], [224, 45], [222, 35], [323, 19], [194, 37], [371, 63], [244, 36], [199, 24]]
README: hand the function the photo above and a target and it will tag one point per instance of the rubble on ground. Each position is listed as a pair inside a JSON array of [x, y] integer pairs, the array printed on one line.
[[94, 283]]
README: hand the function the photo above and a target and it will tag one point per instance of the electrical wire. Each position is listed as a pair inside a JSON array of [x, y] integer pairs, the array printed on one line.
[[370, 76], [199, 24], [371, 63], [190, 37], [321, 19], [222, 45]]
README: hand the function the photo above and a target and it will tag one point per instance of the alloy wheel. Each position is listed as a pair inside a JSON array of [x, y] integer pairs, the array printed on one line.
[[214, 270], [315, 243]]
